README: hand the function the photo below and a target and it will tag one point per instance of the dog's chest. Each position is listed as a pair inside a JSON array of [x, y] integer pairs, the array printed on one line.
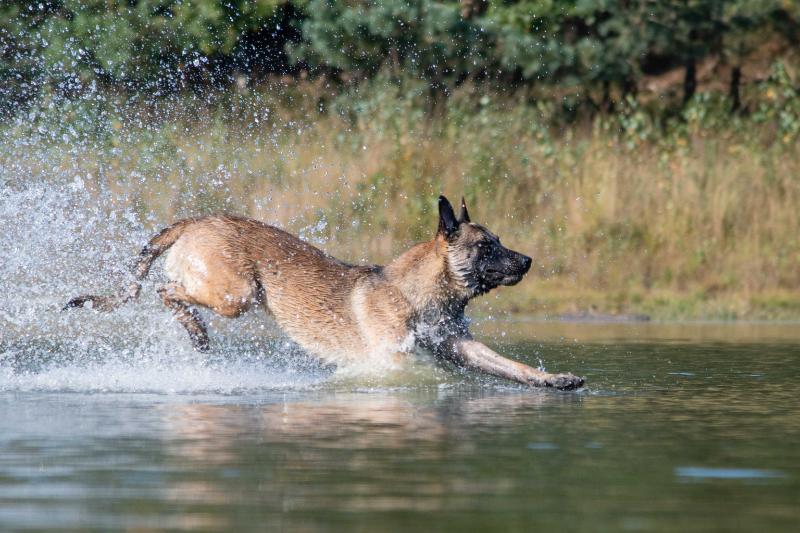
[[433, 326]]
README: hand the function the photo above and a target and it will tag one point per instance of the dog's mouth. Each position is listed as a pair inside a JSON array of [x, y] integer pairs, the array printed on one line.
[[512, 279], [498, 277]]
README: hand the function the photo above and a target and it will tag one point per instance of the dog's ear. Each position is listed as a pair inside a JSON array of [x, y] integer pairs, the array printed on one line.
[[448, 224], [463, 216]]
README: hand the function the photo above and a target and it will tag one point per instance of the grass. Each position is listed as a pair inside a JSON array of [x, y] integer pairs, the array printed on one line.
[[689, 215]]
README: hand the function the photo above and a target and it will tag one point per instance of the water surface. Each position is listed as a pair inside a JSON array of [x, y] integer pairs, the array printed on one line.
[[691, 428]]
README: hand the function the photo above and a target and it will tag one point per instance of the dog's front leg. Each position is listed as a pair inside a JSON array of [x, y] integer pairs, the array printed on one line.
[[474, 355]]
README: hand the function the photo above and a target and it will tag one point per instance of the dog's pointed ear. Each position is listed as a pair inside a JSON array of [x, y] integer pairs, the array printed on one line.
[[463, 216], [448, 224]]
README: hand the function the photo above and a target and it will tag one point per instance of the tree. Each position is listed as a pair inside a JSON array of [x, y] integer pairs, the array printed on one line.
[[129, 43], [427, 39]]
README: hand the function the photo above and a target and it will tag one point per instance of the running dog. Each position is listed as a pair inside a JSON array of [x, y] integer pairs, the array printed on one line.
[[336, 311]]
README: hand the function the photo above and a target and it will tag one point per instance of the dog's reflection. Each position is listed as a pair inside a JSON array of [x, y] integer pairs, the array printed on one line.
[[339, 451], [217, 433]]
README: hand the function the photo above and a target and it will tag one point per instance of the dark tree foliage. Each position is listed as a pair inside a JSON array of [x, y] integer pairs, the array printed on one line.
[[135, 44], [599, 46]]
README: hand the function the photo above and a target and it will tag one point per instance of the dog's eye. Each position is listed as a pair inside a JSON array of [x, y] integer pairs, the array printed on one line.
[[484, 250]]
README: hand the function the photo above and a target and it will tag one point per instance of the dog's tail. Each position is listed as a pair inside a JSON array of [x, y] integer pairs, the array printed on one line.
[[155, 247]]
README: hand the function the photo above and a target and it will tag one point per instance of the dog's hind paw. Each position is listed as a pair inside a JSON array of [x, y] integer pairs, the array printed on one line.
[[200, 343], [80, 301]]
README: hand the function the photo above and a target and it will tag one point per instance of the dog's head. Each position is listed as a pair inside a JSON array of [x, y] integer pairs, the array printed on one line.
[[475, 257]]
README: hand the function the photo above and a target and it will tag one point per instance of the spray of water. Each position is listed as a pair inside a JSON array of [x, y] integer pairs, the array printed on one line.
[[60, 238]]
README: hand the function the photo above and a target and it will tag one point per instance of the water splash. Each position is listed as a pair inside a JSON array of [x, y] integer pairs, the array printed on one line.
[[60, 240]]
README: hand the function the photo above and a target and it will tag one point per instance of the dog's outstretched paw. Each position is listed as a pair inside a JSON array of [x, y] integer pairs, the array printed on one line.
[[564, 381]]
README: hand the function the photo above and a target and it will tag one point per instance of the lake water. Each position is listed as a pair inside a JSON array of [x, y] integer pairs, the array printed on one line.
[[680, 428]]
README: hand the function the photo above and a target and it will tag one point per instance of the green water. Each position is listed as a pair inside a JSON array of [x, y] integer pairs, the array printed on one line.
[[693, 429]]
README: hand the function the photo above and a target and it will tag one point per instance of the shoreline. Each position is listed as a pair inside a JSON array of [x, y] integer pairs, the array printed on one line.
[[506, 329], [553, 300]]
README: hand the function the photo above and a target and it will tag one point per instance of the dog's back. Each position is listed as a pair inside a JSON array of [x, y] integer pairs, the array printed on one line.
[[228, 263]]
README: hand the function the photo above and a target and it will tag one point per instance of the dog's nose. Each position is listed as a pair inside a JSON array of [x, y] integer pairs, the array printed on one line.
[[526, 262]]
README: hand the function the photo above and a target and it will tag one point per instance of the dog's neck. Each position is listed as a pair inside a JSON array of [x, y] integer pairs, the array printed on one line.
[[424, 279]]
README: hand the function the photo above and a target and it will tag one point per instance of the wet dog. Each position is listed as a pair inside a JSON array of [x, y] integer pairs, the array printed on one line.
[[337, 311]]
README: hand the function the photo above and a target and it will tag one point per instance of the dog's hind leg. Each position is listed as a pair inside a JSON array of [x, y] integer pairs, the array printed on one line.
[[175, 298]]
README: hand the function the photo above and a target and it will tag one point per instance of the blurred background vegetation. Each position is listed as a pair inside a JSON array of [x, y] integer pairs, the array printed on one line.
[[645, 152]]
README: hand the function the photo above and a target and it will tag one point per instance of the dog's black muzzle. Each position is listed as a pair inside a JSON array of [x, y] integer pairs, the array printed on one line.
[[508, 271]]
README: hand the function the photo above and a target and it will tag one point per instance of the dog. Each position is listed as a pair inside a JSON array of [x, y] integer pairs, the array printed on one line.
[[339, 312]]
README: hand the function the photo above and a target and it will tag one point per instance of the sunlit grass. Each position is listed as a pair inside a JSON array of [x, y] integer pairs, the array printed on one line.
[[697, 219]]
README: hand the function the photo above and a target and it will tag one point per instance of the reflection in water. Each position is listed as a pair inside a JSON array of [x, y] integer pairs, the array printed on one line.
[[351, 420], [699, 472], [342, 432]]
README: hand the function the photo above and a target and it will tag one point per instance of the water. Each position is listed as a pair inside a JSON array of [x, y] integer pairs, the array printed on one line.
[[672, 434]]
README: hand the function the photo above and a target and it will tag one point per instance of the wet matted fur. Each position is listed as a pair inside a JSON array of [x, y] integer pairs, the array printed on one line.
[[337, 311]]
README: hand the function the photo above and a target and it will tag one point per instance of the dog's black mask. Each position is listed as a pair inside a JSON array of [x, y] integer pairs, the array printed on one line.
[[496, 265], [475, 254]]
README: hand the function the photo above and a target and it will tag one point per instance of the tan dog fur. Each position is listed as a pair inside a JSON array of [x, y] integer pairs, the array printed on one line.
[[341, 313]]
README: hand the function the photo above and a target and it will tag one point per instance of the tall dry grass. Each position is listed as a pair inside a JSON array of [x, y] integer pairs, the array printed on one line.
[[622, 214]]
